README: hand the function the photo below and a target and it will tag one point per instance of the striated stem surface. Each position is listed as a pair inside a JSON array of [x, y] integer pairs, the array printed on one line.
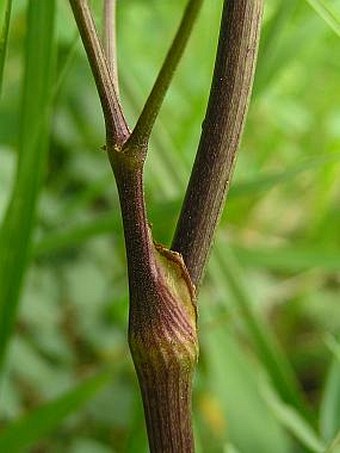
[[221, 133], [162, 318], [117, 130]]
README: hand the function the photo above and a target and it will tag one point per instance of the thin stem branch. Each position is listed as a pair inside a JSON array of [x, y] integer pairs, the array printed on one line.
[[142, 131], [109, 35], [221, 134], [116, 127]]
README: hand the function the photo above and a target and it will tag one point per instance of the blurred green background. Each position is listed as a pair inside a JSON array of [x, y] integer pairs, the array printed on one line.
[[277, 250]]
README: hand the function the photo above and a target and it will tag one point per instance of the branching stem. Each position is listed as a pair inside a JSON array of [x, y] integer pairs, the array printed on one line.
[[116, 127], [221, 134], [141, 133], [162, 317]]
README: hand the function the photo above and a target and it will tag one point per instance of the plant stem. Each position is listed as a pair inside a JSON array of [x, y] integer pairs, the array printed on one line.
[[162, 318], [117, 130], [221, 134], [5, 15], [109, 14], [141, 133]]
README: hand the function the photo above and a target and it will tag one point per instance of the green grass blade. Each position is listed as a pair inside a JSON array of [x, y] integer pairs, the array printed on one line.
[[232, 380], [270, 39], [74, 236], [268, 350], [104, 224], [15, 233], [289, 259], [250, 187], [293, 422], [325, 14], [335, 445], [330, 403], [5, 14], [265, 182], [333, 346], [283, 259], [27, 431]]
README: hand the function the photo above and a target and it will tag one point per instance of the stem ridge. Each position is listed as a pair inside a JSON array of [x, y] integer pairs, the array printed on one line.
[[221, 133]]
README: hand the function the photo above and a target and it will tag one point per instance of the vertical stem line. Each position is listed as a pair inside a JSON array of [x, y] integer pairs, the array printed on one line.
[[221, 134]]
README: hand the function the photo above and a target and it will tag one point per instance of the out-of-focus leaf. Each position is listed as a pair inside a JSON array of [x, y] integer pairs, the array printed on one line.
[[270, 37], [288, 259], [272, 357], [249, 425], [326, 14], [266, 182], [293, 421], [335, 445], [334, 346], [284, 51], [106, 224], [5, 14], [25, 432], [18, 223], [330, 401]]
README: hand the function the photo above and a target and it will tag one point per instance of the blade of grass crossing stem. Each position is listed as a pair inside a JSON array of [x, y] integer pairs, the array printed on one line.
[[271, 356], [326, 14], [5, 14], [26, 432], [281, 259], [105, 224], [251, 187], [15, 233]]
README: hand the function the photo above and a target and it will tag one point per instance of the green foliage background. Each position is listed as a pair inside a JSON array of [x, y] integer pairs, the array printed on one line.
[[277, 250]]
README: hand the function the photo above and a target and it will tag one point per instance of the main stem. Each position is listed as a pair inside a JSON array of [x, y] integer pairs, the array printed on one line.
[[162, 327], [162, 317]]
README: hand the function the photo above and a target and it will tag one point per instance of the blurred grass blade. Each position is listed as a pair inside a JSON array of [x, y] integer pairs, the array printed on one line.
[[5, 14], [292, 421], [15, 233], [65, 67], [33, 427], [288, 43], [265, 182], [249, 187], [270, 39], [231, 404], [325, 13], [269, 352], [330, 402], [335, 445], [333, 346], [278, 259], [104, 224], [289, 259], [74, 236]]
